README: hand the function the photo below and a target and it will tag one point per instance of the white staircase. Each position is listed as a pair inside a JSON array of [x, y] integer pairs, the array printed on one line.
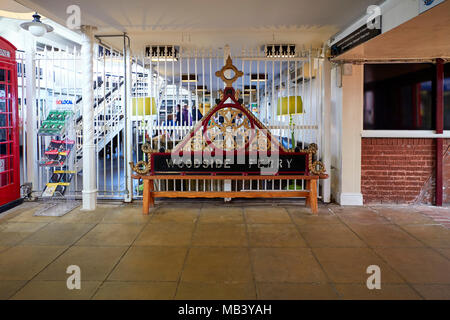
[[109, 119]]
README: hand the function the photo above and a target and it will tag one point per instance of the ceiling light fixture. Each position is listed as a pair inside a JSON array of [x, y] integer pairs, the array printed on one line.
[[202, 88], [188, 78], [36, 27], [248, 89], [162, 53], [280, 50], [261, 77]]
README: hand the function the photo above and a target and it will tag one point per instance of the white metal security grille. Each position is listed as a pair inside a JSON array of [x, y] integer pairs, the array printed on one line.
[[188, 80]]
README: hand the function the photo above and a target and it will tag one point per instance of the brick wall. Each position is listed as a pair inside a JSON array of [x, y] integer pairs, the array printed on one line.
[[399, 170]]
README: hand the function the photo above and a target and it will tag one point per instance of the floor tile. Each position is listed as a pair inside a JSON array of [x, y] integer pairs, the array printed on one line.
[[330, 235], [111, 235], [266, 214], [300, 217], [433, 235], [217, 265], [387, 292], [274, 235], [79, 216], [220, 235], [403, 215], [24, 262], [361, 216], [95, 263], [125, 214], [165, 234], [27, 216], [418, 265], [351, 210], [118, 290], [384, 235], [55, 290], [216, 291], [150, 264], [10, 287], [349, 265], [221, 215], [286, 265], [444, 251], [57, 234], [14, 212], [295, 291], [12, 233], [433, 291], [176, 215], [25, 227]]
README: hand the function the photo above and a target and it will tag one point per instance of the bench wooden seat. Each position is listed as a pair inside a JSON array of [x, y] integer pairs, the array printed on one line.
[[310, 192]]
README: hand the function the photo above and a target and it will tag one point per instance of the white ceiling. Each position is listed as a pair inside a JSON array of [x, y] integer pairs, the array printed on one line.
[[10, 5], [212, 23]]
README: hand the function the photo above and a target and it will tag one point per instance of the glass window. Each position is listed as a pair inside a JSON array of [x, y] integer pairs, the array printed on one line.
[[398, 97]]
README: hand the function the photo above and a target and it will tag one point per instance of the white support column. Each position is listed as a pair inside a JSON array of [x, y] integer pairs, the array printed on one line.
[[89, 171], [352, 127], [326, 129], [31, 112], [128, 123]]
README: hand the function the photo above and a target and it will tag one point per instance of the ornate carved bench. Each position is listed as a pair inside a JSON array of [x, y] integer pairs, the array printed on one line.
[[230, 144]]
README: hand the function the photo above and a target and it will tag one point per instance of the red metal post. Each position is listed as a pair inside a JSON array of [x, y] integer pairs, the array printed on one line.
[[439, 130]]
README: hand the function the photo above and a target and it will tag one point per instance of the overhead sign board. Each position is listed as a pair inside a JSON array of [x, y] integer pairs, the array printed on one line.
[[425, 5], [357, 37]]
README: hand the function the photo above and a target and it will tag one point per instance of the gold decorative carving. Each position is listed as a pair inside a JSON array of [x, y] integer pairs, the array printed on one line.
[[143, 167], [229, 66], [315, 167]]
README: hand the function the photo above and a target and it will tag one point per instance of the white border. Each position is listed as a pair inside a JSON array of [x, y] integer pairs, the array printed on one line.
[[404, 134]]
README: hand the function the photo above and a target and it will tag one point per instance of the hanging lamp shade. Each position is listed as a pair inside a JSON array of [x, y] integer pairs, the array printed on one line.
[[37, 27], [290, 105], [144, 106]]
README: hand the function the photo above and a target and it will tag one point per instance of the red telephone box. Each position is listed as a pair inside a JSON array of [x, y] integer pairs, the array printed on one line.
[[9, 126]]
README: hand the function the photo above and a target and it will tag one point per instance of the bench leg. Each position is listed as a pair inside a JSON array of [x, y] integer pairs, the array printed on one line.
[[307, 187], [313, 196], [145, 207], [151, 197]]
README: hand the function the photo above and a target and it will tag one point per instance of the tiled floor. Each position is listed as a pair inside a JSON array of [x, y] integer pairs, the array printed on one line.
[[209, 250]]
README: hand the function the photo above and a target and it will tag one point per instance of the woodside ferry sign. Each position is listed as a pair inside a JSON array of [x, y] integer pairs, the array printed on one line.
[[249, 163]]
